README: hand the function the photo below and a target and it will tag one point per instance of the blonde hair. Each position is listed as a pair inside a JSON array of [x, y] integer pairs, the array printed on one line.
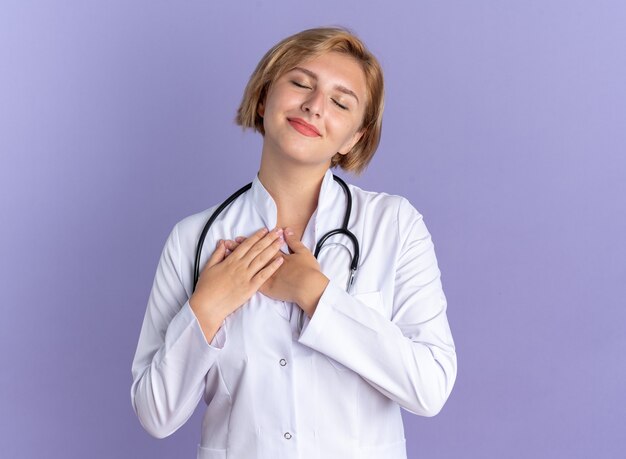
[[310, 43]]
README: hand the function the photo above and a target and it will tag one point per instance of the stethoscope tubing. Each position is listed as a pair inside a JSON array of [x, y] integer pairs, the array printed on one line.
[[318, 247], [207, 226]]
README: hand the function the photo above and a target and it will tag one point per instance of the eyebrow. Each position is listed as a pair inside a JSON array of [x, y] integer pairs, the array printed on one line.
[[338, 87]]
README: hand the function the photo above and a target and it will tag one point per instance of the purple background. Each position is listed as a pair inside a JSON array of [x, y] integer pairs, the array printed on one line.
[[505, 125]]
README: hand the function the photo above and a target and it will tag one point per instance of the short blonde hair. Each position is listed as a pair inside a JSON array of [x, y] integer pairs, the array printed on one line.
[[310, 43]]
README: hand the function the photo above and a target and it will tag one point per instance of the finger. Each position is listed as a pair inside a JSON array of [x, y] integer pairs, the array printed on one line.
[[261, 245], [236, 243], [230, 246], [269, 254], [218, 255], [293, 242], [259, 279], [249, 242]]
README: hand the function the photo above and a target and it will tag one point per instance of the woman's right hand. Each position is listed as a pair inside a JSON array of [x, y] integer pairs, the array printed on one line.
[[227, 282]]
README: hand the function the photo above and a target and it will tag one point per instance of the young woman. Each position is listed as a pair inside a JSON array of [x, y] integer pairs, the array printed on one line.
[[297, 356]]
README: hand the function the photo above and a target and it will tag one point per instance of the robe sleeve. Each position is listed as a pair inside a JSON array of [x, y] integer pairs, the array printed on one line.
[[172, 357]]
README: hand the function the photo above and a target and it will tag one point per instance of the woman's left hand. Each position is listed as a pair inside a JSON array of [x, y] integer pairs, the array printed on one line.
[[299, 279]]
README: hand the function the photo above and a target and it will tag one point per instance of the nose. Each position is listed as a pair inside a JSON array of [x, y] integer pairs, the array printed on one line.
[[314, 103]]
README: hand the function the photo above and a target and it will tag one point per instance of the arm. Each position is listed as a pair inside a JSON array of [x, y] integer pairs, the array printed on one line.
[[173, 356], [410, 358]]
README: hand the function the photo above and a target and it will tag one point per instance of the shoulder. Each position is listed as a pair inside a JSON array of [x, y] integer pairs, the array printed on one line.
[[395, 206], [389, 214], [187, 230]]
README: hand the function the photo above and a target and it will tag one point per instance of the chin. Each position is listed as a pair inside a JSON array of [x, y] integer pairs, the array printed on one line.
[[295, 151]]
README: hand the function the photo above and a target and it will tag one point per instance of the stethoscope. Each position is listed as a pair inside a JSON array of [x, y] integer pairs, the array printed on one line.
[[343, 230]]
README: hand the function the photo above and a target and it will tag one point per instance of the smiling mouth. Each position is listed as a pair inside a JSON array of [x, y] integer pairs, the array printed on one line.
[[303, 128]]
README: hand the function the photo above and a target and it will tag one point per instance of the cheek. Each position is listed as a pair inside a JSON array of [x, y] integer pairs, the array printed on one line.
[[276, 98], [345, 130]]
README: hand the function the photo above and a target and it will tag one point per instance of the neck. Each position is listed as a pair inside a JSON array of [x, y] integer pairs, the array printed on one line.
[[295, 190]]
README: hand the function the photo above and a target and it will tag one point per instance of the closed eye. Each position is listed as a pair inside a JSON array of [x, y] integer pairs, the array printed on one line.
[[300, 85], [343, 107]]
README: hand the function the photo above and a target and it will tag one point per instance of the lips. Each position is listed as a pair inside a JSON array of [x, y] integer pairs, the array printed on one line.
[[303, 127]]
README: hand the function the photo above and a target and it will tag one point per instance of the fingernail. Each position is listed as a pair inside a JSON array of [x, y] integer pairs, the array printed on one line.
[[288, 231], [218, 243]]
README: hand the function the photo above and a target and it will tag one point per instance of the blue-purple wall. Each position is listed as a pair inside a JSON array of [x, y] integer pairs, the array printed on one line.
[[505, 125]]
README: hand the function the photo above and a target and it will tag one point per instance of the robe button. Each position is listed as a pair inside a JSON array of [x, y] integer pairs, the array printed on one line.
[[287, 435], [283, 362]]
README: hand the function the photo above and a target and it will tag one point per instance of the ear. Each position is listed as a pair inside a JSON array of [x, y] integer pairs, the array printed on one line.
[[261, 109], [349, 145]]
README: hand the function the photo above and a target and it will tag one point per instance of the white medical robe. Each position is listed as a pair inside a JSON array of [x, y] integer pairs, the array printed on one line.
[[333, 390]]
